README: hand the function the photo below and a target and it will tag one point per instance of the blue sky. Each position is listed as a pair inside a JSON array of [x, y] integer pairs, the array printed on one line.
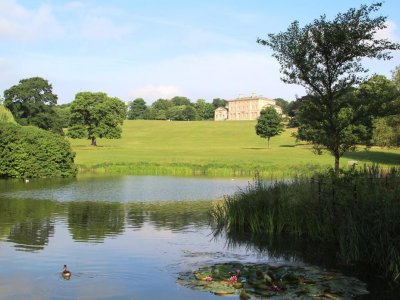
[[159, 49]]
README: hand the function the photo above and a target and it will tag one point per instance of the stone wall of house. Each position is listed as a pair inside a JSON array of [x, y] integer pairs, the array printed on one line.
[[245, 108]]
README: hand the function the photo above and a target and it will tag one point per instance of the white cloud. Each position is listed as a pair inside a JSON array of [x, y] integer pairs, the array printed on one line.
[[214, 75], [154, 92], [18, 23], [12, 9], [207, 76], [390, 32]]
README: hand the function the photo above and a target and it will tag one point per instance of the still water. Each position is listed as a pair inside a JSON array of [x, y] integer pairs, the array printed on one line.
[[125, 237]]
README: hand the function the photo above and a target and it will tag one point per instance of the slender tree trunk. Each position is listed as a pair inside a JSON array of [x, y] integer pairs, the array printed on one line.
[[94, 142], [268, 142], [337, 158]]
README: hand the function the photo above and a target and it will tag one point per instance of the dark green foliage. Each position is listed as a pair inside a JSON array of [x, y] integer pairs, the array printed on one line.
[[95, 115], [95, 220], [29, 152], [137, 109], [357, 213], [218, 102], [205, 110], [325, 57], [63, 112], [283, 104], [179, 100], [176, 109], [32, 103], [269, 124], [181, 113], [387, 131]]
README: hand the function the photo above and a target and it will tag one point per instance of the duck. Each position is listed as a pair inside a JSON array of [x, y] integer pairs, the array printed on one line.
[[66, 274]]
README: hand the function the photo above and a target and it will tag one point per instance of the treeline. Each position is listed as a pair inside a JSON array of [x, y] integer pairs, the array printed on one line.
[[375, 106], [177, 109], [180, 108]]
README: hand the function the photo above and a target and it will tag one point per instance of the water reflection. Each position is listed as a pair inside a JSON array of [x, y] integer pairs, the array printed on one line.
[[121, 188], [30, 223], [95, 220], [125, 247]]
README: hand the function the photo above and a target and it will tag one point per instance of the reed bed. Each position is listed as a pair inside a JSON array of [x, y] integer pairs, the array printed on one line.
[[191, 169], [357, 213]]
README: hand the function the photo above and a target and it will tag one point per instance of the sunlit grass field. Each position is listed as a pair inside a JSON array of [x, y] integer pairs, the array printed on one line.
[[209, 148]]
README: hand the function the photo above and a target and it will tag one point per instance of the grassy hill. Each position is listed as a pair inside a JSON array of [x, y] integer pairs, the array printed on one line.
[[209, 148]]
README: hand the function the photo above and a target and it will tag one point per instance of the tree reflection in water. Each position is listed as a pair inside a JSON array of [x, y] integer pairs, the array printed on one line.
[[29, 224]]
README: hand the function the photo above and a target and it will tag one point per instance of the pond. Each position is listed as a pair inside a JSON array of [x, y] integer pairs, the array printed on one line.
[[127, 237]]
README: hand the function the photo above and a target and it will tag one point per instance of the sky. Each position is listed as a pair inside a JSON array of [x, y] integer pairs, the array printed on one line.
[[151, 49]]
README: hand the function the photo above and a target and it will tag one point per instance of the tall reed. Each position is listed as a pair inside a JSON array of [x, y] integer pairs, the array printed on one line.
[[357, 212]]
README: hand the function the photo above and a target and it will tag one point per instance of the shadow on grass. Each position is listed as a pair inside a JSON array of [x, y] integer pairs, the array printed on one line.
[[257, 148], [287, 146], [375, 156]]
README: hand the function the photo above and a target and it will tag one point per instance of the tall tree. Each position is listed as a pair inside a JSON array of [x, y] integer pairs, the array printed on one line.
[[283, 104], [95, 115], [205, 110], [218, 102], [325, 57], [32, 103], [269, 124], [137, 109], [386, 130], [179, 100]]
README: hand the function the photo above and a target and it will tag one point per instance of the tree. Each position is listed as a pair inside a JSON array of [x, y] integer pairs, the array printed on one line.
[[325, 57], [63, 112], [162, 104], [269, 124], [283, 104], [137, 109], [32, 103], [387, 131], [95, 115], [179, 101], [205, 110], [218, 102]]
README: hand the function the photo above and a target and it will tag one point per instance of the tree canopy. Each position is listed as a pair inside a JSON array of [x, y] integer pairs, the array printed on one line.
[[386, 130], [137, 109], [31, 102], [95, 115], [325, 57], [269, 124]]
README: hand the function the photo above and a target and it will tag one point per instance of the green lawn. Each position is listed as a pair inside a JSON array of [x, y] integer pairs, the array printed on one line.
[[208, 148]]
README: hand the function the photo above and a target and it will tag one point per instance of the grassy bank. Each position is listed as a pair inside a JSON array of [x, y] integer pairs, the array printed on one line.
[[208, 148], [357, 213]]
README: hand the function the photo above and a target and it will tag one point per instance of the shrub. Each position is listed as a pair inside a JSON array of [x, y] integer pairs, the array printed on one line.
[[30, 152]]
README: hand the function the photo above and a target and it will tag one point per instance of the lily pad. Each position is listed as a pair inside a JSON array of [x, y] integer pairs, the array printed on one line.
[[263, 280]]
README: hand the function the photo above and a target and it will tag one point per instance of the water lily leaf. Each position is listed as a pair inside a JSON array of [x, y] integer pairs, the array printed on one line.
[[277, 282]]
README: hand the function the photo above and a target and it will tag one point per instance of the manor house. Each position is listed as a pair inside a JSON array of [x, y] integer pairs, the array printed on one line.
[[245, 108]]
